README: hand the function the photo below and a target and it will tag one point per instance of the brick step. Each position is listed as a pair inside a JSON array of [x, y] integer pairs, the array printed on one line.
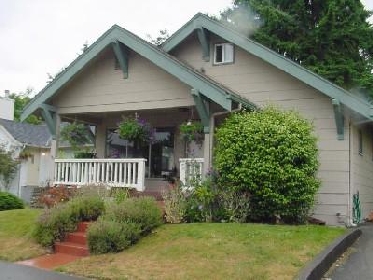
[[71, 248], [78, 237], [82, 226]]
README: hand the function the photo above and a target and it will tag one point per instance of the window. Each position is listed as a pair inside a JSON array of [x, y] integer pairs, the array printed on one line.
[[159, 154], [223, 53]]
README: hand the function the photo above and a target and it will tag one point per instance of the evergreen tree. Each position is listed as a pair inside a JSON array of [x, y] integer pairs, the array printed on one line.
[[332, 38]]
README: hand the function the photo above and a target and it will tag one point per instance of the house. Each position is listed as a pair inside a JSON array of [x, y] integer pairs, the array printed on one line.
[[30, 144], [203, 71]]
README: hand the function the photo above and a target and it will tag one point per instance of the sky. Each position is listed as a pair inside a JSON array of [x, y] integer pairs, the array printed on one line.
[[38, 37]]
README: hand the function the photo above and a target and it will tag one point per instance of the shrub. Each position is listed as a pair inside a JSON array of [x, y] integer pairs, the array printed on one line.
[[272, 156], [53, 195], [174, 204], [53, 225], [9, 201], [86, 207], [143, 211], [55, 222], [111, 236]]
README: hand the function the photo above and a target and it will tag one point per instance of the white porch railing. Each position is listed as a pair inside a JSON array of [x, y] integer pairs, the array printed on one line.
[[119, 172], [191, 169]]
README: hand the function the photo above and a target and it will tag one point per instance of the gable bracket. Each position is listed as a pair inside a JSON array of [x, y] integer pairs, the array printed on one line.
[[204, 40], [121, 53], [339, 118], [202, 109], [49, 115]]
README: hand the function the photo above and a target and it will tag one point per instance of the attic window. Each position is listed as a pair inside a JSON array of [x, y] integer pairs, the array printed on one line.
[[223, 53]]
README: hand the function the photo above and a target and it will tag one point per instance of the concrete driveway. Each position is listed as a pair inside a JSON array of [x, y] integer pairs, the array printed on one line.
[[10, 271], [359, 264]]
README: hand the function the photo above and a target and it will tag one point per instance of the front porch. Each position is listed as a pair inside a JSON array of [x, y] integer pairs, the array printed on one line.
[[126, 172]]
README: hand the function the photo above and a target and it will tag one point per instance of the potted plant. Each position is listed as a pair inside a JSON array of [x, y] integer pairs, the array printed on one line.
[[135, 129], [192, 131]]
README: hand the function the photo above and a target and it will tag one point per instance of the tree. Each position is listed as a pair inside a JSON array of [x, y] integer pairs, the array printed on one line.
[[272, 156], [160, 39], [8, 167], [20, 101], [332, 38]]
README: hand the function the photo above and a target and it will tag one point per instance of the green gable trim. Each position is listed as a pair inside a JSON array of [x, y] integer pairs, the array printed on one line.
[[121, 53], [202, 109], [49, 115], [339, 118], [185, 74], [203, 37], [331, 90]]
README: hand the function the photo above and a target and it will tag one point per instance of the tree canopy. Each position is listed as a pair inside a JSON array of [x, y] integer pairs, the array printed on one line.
[[20, 101], [332, 38]]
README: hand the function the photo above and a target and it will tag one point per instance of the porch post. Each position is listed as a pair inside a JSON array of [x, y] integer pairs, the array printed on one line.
[[207, 153], [54, 148], [100, 140]]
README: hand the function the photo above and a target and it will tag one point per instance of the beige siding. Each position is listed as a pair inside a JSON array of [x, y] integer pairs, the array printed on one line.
[[262, 83], [363, 169], [101, 88]]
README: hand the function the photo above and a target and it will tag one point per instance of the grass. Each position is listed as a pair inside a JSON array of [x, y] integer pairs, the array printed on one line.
[[212, 251], [16, 242]]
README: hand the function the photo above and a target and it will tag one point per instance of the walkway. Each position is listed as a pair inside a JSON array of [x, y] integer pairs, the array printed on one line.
[[359, 265]]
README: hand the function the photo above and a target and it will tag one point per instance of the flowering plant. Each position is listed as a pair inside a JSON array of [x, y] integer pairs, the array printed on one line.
[[135, 129], [191, 131]]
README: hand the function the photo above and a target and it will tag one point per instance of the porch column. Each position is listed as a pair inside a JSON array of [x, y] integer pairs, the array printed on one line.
[[207, 149], [54, 148], [101, 140]]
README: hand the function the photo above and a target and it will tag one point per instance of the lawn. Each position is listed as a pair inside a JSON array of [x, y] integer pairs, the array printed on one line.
[[16, 242], [185, 251], [212, 251]]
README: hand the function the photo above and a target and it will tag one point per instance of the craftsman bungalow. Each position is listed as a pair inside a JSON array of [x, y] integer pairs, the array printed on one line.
[[203, 71]]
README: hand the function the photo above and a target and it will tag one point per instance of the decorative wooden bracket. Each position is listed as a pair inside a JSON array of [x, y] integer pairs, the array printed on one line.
[[339, 118], [204, 40], [49, 115], [202, 109], [121, 53]]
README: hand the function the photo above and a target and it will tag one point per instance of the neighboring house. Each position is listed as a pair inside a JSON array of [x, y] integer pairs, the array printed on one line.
[[6, 107], [30, 144], [203, 71]]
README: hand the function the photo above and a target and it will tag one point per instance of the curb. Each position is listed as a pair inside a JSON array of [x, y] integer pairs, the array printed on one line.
[[321, 264]]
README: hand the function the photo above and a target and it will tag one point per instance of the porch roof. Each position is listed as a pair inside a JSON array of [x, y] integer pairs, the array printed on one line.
[[357, 103], [186, 74]]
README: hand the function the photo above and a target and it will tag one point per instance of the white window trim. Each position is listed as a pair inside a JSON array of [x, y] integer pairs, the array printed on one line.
[[224, 60]]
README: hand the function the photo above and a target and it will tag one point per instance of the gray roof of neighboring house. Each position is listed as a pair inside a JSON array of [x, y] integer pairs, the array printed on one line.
[[31, 135]]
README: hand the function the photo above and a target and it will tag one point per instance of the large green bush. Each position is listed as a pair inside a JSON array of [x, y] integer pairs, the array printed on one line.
[[9, 201], [272, 156]]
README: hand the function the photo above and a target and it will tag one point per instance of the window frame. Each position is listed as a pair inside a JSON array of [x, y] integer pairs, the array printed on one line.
[[223, 46]]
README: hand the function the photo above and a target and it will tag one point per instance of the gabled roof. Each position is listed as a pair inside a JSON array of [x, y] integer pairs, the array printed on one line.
[[218, 93], [354, 102], [28, 134]]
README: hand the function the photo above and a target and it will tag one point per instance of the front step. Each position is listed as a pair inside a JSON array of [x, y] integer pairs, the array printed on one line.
[[71, 248], [75, 243], [77, 237]]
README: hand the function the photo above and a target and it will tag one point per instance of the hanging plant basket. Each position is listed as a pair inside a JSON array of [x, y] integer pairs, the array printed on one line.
[[135, 129], [191, 131]]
